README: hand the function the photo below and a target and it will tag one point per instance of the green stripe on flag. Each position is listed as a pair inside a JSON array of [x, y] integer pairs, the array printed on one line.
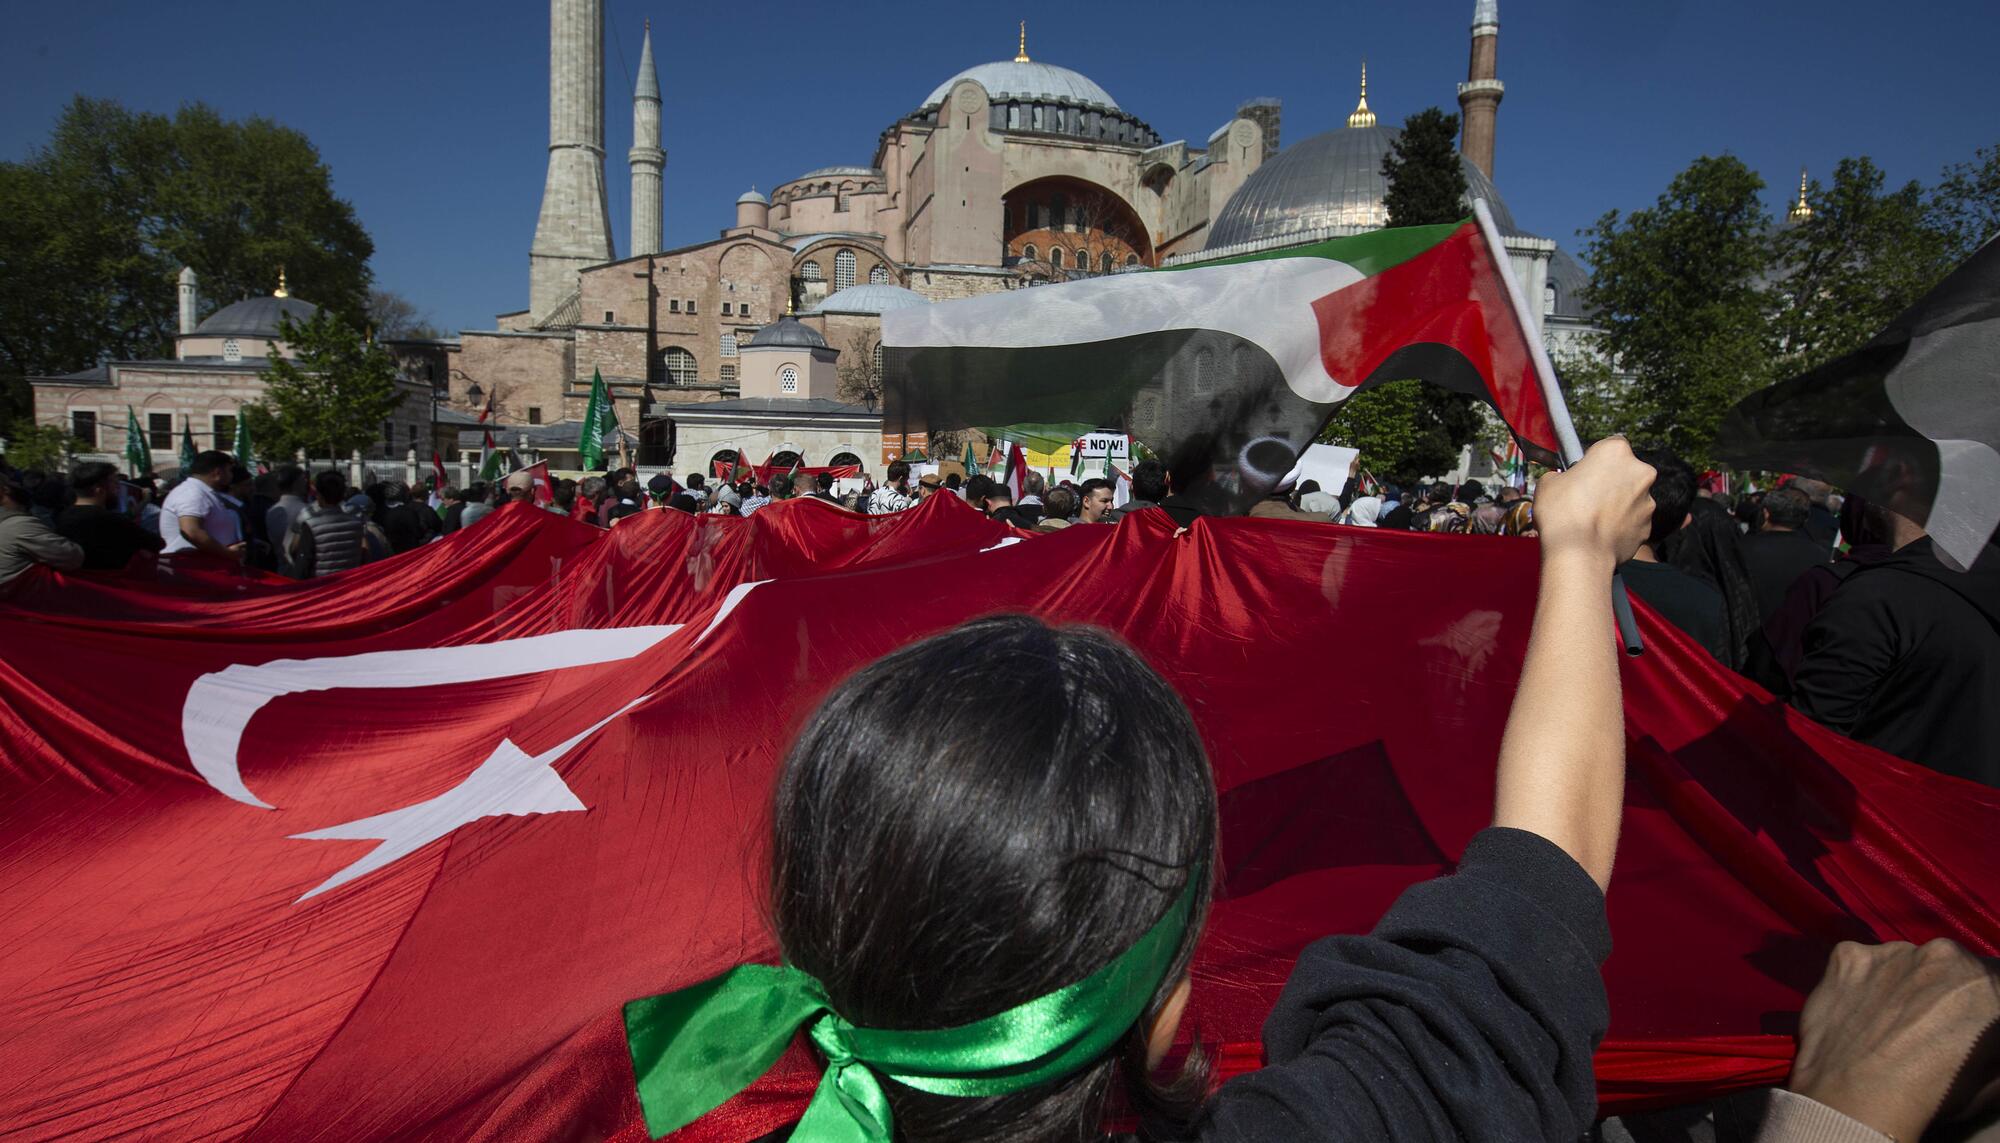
[[1369, 253]]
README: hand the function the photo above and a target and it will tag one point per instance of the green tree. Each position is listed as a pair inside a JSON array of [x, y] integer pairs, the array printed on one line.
[[41, 448], [330, 397], [1862, 258], [1597, 399], [1965, 205], [99, 221], [1407, 430], [1676, 287], [1425, 178]]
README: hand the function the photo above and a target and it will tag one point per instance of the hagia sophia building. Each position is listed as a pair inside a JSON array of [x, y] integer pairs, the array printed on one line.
[[1007, 174]]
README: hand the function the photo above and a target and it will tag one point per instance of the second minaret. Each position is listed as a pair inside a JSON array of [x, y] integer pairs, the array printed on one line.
[[646, 157]]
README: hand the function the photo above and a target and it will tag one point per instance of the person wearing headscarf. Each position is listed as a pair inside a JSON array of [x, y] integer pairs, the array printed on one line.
[[1520, 519], [1364, 512], [1707, 548], [1450, 517]]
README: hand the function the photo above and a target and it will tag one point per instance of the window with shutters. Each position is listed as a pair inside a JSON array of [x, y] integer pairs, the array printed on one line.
[[678, 364], [83, 426], [159, 430], [843, 269]]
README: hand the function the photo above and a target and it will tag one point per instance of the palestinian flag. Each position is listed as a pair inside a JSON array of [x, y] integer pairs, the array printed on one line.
[[1511, 465], [1228, 369], [600, 425], [137, 453], [1016, 476], [490, 461], [1907, 421], [187, 446]]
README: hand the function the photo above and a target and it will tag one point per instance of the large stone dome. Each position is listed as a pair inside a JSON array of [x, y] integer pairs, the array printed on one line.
[[1330, 182], [787, 333], [870, 298], [1028, 79]]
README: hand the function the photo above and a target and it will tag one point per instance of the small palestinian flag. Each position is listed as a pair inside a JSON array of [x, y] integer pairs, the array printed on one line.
[[1228, 369], [490, 462], [1907, 421]]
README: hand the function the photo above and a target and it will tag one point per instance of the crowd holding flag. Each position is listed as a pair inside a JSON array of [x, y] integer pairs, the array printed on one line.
[[187, 446]]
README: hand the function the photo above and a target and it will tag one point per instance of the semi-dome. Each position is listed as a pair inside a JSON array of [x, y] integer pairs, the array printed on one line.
[[1330, 181], [255, 317], [1028, 79], [870, 298], [787, 333], [751, 195]]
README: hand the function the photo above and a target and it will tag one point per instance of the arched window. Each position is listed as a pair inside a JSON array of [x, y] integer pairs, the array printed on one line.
[[841, 459], [1029, 253], [809, 271], [1056, 257], [1548, 299], [1105, 262], [679, 365], [788, 379], [725, 457], [843, 269], [786, 458], [1131, 259], [878, 276]]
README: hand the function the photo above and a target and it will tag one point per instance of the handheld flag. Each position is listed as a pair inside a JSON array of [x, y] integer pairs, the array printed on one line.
[[245, 455], [600, 425], [137, 453], [489, 461], [187, 446], [1228, 369], [1016, 477], [971, 461], [545, 491], [1907, 421]]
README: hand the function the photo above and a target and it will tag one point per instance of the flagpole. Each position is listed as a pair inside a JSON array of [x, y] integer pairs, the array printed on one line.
[[1552, 396]]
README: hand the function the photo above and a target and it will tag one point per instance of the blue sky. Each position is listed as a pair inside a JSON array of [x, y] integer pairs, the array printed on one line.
[[433, 113]]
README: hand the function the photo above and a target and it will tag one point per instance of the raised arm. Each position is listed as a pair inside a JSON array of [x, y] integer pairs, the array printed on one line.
[[1562, 758]]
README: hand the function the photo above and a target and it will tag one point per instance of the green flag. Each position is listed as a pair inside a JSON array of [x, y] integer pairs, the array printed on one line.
[[245, 456], [137, 454], [600, 426], [187, 446], [971, 462]]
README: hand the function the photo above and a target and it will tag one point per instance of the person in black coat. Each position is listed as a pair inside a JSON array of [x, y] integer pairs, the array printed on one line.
[[1780, 551], [108, 537], [1686, 602], [1905, 656]]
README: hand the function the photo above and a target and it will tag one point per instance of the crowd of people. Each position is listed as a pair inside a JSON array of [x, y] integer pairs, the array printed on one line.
[[1838, 606]]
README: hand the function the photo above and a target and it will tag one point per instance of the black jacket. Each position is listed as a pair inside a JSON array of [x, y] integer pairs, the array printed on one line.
[[1905, 656], [1774, 560], [109, 539], [1471, 1012], [1685, 601]]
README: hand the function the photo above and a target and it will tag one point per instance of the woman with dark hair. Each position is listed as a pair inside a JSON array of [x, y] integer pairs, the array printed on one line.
[[993, 854], [1708, 548]]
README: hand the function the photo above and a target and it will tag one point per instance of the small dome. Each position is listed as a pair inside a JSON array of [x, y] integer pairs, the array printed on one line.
[[870, 298], [751, 195], [1330, 180], [255, 317], [787, 333], [1026, 79]]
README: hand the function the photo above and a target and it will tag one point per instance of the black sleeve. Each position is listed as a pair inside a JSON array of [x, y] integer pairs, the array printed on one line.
[[1470, 1013], [1348, 492]]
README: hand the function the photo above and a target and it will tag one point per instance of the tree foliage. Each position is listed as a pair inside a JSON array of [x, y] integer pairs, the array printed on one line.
[[331, 397], [1407, 430], [1677, 288], [394, 317], [1965, 205], [1426, 183], [41, 448], [99, 221], [1862, 258]]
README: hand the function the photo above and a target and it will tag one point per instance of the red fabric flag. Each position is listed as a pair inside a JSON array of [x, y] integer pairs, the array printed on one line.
[[437, 467], [1016, 477], [381, 855], [545, 489]]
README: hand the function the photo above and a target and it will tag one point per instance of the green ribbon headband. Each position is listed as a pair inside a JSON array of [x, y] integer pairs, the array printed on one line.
[[694, 1049]]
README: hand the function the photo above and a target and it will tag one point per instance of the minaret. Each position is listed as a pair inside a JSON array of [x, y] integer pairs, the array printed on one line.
[[1801, 210], [189, 299], [574, 230], [646, 157], [1479, 96]]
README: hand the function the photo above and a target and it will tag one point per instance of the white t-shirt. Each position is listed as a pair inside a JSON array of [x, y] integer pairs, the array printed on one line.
[[193, 498]]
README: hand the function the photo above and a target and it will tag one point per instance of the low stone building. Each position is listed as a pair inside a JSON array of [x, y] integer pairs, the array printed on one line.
[[202, 389]]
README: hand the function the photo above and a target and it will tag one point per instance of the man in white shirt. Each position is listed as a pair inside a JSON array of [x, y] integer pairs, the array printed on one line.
[[195, 518], [292, 489], [895, 495]]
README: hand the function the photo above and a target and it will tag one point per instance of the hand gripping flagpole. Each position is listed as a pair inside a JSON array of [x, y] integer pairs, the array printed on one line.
[[1545, 376]]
